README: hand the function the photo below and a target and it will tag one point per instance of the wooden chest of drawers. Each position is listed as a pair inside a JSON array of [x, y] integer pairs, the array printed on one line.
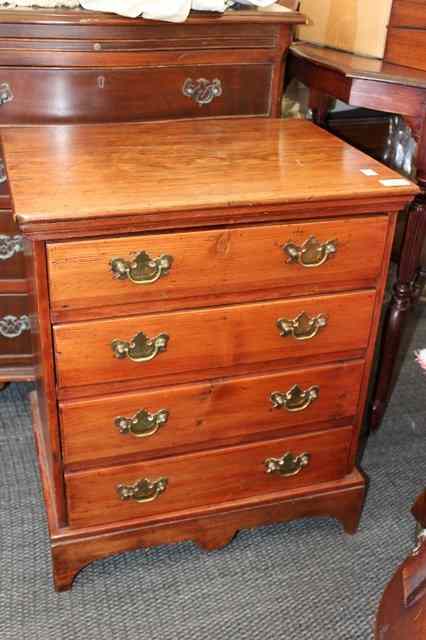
[[206, 299], [75, 66]]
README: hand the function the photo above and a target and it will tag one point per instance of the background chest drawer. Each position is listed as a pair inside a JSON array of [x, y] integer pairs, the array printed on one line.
[[205, 478], [208, 414], [165, 270], [204, 340], [39, 96]]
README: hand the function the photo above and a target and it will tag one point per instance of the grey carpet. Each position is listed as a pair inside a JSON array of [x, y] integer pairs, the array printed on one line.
[[304, 580]]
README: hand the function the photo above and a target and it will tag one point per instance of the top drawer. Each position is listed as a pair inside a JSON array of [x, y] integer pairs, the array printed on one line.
[[195, 267], [41, 96]]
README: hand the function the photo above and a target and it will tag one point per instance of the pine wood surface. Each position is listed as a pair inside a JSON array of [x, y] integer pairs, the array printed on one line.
[[210, 339], [208, 414], [205, 478], [164, 167], [216, 262]]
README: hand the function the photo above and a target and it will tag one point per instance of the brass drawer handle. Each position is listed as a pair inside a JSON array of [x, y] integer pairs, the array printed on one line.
[[302, 327], [202, 91], [312, 253], [143, 490], [12, 327], [140, 348], [10, 246], [288, 465], [142, 269], [143, 424], [3, 174], [6, 94], [295, 399]]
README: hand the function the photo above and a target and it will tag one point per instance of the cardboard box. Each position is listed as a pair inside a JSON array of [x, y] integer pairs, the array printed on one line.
[[358, 26]]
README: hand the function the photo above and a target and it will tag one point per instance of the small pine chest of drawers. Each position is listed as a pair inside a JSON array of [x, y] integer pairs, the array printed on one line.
[[206, 297]]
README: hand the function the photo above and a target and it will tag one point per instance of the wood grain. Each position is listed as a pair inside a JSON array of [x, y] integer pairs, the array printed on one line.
[[205, 339], [208, 415], [186, 165], [202, 479], [216, 262]]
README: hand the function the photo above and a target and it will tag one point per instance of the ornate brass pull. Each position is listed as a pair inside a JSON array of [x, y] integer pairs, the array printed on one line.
[[302, 327], [12, 327], [143, 490], [142, 269], [295, 399], [312, 253], [142, 424], [202, 91], [6, 94], [3, 174], [288, 465], [140, 348], [10, 246]]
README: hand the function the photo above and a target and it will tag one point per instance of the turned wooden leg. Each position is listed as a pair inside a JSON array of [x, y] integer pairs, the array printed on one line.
[[319, 104], [400, 306]]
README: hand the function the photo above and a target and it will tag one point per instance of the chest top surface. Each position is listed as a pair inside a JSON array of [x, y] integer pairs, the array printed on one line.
[[75, 173]]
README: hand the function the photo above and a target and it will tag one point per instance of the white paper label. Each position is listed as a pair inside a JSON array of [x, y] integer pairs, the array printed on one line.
[[396, 182], [369, 172]]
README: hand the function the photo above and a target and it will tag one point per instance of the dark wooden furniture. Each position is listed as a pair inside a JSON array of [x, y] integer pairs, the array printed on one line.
[[82, 67], [402, 611], [384, 85], [204, 347]]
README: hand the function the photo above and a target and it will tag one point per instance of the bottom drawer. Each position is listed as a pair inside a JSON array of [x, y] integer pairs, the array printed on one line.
[[193, 481], [15, 335]]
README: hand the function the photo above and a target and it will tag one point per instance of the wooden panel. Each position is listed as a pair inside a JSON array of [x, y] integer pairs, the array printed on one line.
[[408, 13], [204, 339], [15, 341], [181, 170], [216, 262], [205, 478], [207, 414], [102, 95], [407, 47]]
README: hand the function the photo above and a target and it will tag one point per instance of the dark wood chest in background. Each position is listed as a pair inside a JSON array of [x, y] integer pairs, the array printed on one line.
[[62, 67]]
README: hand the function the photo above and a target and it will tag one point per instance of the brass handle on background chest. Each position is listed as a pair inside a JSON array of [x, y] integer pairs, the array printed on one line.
[[13, 327], [202, 91], [143, 424], [302, 327], [312, 253], [6, 94], [10, 246], [143, 490], [140, 348], [142, 269], [295, 399], [288, 465]]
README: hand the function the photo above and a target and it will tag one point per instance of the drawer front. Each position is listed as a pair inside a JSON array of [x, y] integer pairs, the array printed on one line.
[[208, 414], [15, 336], [199, 341], [209, 263], [206, 478], [38, 96], [11, 248]]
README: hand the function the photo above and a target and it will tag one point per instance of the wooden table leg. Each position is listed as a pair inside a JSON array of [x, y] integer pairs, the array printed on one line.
[[407, 287], [320, 105]]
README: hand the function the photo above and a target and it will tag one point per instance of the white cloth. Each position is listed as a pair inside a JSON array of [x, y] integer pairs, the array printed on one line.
[[169, 10]]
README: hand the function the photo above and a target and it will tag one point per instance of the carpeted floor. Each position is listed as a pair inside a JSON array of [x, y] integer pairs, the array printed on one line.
[[300, 581]]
